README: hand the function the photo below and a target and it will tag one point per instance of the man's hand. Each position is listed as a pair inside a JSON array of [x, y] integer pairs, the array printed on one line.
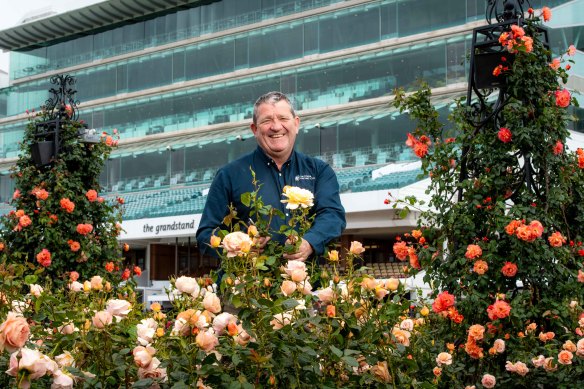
[[303, 252], [260, 242]]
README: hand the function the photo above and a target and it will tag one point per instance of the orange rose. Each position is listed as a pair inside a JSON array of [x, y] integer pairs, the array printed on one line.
[[400, 250], [565, 357], [509, 269], [473, 251], [91, 195], [499, 310], [556, 239], [67, 205], [563, 98], [480, 267], [44, 258], [476, 331]]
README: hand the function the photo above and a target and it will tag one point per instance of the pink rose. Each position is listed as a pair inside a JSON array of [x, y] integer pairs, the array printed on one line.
[[242, 338], [146, 330], [563, 98], [102, 319], [153, 371], [538, 361], [14, 332], [296, 270], [580, 348], [489, 381]]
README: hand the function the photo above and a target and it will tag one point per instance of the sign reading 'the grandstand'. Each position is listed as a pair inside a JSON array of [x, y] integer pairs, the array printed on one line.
[[183, 225]]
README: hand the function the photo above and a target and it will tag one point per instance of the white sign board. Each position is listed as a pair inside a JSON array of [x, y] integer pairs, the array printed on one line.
[[161, 227]]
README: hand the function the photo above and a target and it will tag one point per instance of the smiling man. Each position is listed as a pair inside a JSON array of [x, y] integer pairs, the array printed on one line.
[[276, 164]]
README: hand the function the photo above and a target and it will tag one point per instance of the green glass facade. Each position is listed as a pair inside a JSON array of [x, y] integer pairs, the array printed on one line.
[[180, 87]]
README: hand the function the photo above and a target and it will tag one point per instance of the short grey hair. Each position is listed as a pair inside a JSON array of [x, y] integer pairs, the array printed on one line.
[[271, 98]]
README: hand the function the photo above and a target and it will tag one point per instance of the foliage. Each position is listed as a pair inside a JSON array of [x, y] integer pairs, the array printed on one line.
[[53, 201], [503, 234]]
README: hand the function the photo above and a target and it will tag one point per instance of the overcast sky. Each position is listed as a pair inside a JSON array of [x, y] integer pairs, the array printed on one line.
[[10, 16]]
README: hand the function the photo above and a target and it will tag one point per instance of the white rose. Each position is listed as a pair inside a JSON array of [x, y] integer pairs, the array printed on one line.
[[188, 285], [118, 308]]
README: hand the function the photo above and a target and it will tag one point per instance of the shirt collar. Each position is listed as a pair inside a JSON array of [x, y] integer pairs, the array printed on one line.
[[269, 161]]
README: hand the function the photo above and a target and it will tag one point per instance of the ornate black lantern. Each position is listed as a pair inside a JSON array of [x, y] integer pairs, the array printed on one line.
[[484, 85], [59, 107]]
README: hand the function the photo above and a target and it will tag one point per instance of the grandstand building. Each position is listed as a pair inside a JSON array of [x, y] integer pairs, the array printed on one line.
[[178, 79]]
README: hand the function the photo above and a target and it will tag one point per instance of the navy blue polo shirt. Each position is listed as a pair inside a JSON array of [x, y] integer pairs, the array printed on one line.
[[300, 170]]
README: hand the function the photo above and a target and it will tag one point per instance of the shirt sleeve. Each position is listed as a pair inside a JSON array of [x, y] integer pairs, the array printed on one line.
[[216, 208], [329, 221]]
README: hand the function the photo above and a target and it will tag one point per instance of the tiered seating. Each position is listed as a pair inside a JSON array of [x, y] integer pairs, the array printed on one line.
[[168, 202], [380, 270]]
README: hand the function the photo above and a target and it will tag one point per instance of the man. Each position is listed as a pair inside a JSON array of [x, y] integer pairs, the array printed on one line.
[[276, 164]]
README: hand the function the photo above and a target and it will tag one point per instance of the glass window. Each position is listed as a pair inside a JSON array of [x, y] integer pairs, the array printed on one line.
[[338, 31]]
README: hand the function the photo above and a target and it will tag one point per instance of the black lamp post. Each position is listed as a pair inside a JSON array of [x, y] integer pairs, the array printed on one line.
[[483, 85], [61, 106]]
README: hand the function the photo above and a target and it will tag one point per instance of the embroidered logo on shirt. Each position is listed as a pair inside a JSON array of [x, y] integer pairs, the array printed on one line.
[[304, 177]]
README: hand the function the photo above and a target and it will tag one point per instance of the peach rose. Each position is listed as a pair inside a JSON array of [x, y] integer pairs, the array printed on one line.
[[297, 197], [444, 359], [538, 361], [181, 327], [146, 330], [489, 381], [67, 329], [296, 270], [333, 256], [143, 356], [76, 286], [188, 285], [211, 302], [381, 372], [242, 338], [356, 248], [499, 346], [62, 380], [153, 371], [102, 319], [36, 290], [280, 320], [96, 283], [234, 242], [32, 361], [221, 321], [570, 346], [65, 359], [14, 332], [402, 336], [288, 287], [580, 348], [207, 340], [549, 365], [565, 357], [392, 284], [407, 324]]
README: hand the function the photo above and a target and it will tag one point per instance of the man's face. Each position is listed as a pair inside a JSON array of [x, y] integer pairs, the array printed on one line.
[[276, 130]]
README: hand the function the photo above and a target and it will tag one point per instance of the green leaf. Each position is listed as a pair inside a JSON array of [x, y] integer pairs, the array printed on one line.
[[246, 199], [31, 279], [336, 351]]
